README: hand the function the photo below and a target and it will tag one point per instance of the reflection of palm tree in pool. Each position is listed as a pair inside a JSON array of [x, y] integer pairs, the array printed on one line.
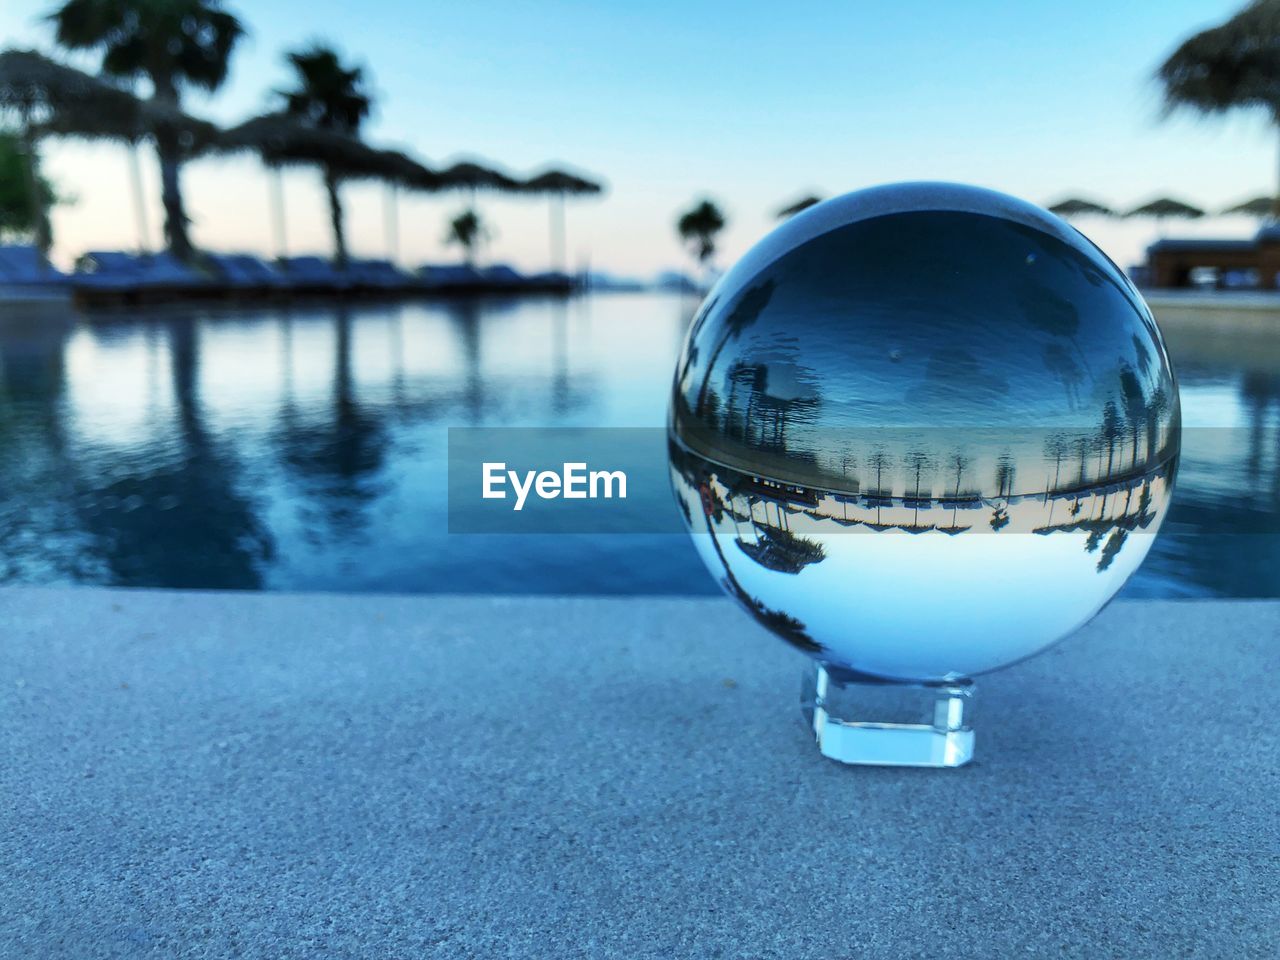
[[743, 315], [752, 377], [1110, 434], [465, 315], [1135, 406], [958, 463], [37, 468], [1155, 412], [1260, 391], [185, 521], [337, 455], [917, 462]]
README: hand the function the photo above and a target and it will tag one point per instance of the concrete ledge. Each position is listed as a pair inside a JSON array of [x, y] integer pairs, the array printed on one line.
[[266, 775], [1222, 312]]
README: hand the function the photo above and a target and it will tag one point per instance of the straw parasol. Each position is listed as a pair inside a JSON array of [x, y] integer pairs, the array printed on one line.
[[1257, 207], [558, 184], [1163, 208], [130, 126], [280, 141], [804, 203], [47, 97], [468, 174], [399, 170], [1079, 207]]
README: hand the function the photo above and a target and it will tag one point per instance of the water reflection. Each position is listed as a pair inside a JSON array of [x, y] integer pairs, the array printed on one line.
[[214, 448], [194, 447]]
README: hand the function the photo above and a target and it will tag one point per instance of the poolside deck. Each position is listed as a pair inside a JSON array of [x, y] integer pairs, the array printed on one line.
[[269, 775]]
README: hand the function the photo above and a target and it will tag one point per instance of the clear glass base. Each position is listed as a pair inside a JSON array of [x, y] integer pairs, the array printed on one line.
[[888, 724]]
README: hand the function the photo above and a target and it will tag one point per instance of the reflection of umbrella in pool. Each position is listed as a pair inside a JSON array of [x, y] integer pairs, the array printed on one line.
[[558, 184], [1163, 208]]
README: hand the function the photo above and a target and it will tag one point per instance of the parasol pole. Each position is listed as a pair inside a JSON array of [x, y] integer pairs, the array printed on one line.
[[275, 185], [139, 204]]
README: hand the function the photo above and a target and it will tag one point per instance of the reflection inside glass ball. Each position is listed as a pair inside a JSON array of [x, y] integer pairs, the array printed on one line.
[[923, 431]]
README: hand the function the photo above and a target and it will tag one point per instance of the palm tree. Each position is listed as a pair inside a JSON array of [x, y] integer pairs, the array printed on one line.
[[334, 98], [174, 44], [698, 228], [1233, 66], [25, 195], [468, 231]]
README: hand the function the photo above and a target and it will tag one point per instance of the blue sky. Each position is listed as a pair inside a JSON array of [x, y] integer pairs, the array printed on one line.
[[750, 103]]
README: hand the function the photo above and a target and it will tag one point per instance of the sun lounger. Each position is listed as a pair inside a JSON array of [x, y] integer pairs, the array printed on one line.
[[379, 276], [439, 276], [313, 275], [108, 274], [25, 276], [244, 273]]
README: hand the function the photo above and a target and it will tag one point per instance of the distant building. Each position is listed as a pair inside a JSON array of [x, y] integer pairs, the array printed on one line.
[[1216, 263]]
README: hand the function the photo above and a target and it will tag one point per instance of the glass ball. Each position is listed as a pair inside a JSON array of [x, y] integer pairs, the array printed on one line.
[[923, 431]]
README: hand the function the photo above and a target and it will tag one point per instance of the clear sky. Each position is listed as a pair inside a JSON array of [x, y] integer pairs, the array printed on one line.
[[751, 103]]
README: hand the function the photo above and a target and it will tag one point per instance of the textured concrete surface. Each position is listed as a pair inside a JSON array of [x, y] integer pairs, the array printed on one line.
[[218, 775]]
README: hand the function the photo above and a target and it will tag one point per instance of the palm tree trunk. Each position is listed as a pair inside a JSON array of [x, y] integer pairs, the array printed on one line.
[[39, 215], [336, 219], [169, 152]]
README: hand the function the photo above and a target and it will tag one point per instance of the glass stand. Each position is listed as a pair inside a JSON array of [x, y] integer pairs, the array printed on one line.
[[889, 724]]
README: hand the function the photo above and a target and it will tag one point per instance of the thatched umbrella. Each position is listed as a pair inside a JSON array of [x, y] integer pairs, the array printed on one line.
[[558, 184], [130, 126], [1079, 207], [804, 203], [1260, 207], [281, 141], [1233, 66], [1164, 207], [402, 171], [41, 91], [474, 176]]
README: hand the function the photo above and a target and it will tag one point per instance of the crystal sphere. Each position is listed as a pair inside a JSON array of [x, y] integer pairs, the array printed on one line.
[[922, 431]]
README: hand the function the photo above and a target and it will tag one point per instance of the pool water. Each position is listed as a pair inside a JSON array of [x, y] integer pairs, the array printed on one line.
[[304, 447]]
